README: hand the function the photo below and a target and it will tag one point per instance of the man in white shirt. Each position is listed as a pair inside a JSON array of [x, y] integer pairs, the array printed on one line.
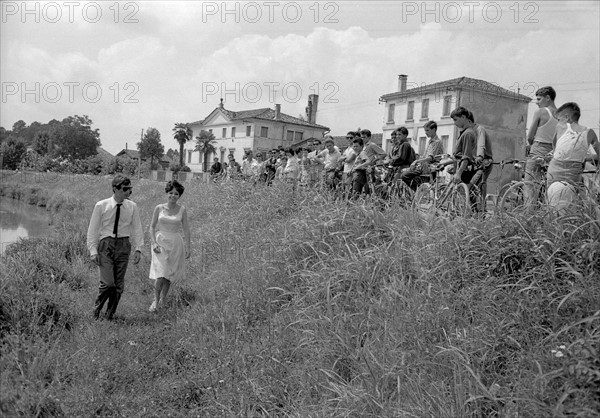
[[249, 167], [329, 157], [347, 159], [114, 221]]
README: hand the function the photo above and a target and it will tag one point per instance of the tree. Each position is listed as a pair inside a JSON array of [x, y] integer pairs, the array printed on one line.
[[3, 134], [150, 146], [41, 141], [18, 126], [13, 150], [183, 133], [74, 138], [173, 154], [204, 144]]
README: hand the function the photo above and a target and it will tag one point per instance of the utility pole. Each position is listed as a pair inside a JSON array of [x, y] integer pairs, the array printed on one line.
[[140, 157]]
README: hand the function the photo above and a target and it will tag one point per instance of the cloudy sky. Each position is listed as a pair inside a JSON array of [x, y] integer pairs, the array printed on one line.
[[140, 64]]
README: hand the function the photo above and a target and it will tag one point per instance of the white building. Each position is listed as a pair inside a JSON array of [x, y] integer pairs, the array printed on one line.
[[258, 130], [503, 113]]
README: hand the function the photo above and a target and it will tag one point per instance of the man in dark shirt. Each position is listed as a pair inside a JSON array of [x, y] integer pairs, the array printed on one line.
[[216, 169], [466, 147], [401, 155]]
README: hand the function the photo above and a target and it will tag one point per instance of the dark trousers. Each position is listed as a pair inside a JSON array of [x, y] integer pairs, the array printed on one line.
[[113, 255], [479, 181], [413, 178], [359, 183]]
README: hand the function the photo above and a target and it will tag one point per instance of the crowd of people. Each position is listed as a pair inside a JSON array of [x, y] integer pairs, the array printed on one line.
[[555, 135]]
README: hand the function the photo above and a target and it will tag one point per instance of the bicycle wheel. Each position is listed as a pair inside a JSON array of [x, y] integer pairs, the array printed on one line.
[[460, 202], [401, 193], [512, 196], [423, 199], [455, 200]]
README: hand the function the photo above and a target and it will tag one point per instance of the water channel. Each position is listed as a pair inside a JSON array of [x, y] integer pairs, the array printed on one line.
[[20, 220]]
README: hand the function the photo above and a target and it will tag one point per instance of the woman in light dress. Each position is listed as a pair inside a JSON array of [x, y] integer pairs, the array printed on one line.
[[571, 146], [168, 230]]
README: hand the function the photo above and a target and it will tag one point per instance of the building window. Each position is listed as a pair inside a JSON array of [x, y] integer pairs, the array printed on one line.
[[222, 154], [410, 111], [445, 143], [290, 135], [233, 132], [224, 133], [210, 130], [189, 157], [391, 111], [264, 132], [422, 142], [447, 105], [299, 136], [425, 109], [248, 130]]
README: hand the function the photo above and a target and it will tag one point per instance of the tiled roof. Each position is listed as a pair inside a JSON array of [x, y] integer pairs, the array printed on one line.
[[135, 154], [104, 153], [462, 82], [130, 153], [265, 114]]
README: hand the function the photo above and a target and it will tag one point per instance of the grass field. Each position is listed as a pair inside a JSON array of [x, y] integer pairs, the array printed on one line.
[[298, 306]]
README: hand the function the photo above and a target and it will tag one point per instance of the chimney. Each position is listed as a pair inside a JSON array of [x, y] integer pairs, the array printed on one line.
[[311, 109], [402, 83], [221, 104], [277, 111]]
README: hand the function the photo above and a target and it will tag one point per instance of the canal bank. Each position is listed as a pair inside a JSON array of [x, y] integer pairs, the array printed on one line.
[[21, 220]]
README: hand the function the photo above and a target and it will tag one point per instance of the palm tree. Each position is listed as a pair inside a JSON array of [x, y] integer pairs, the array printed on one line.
[[204, 145], [183, 133]]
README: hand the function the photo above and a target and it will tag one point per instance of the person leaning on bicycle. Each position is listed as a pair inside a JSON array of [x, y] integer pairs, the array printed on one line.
[[539, 141], [466, 145], [483, 163]]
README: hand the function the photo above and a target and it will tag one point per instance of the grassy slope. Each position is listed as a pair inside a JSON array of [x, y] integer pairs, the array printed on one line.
[[296, 306]]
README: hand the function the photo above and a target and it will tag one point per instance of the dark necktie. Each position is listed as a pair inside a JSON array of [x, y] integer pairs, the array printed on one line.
[[116, 227]]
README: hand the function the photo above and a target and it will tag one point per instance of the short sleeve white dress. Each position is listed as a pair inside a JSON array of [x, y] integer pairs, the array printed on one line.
[[170, 262]]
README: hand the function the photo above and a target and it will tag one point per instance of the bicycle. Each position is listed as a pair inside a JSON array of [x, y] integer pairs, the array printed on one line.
[[512, 195], [435, 196]]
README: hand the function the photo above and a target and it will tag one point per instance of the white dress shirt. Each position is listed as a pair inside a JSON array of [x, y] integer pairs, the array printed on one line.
[[103, 221]]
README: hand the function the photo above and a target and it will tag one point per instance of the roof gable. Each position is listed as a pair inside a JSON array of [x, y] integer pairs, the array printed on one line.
[[461, 83], [261, 114]]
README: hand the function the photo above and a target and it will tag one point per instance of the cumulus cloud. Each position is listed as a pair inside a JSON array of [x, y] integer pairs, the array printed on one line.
[[172, 57]]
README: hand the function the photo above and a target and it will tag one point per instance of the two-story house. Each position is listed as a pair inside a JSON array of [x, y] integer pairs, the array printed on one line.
[[258, 130], [503, 113]]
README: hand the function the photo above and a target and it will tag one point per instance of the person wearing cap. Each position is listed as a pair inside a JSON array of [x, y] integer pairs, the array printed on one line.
[[114, 221]]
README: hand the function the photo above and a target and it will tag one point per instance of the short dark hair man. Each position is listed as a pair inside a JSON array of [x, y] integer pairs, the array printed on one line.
[[466, 145], [539, 140], [433, 152], [114, 221], [216, 168]]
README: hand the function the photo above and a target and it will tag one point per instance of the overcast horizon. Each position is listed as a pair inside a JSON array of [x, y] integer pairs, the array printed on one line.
[[134, 65]]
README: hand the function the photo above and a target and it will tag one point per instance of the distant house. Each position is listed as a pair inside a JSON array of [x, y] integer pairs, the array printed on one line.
[[135, 155], [104, 153], [258, 130], [503, 113]]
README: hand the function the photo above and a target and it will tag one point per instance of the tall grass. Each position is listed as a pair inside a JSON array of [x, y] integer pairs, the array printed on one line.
[[298, 305]]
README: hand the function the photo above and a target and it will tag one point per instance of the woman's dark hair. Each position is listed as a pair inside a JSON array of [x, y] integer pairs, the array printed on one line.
[[174, 184], [290, 151]]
